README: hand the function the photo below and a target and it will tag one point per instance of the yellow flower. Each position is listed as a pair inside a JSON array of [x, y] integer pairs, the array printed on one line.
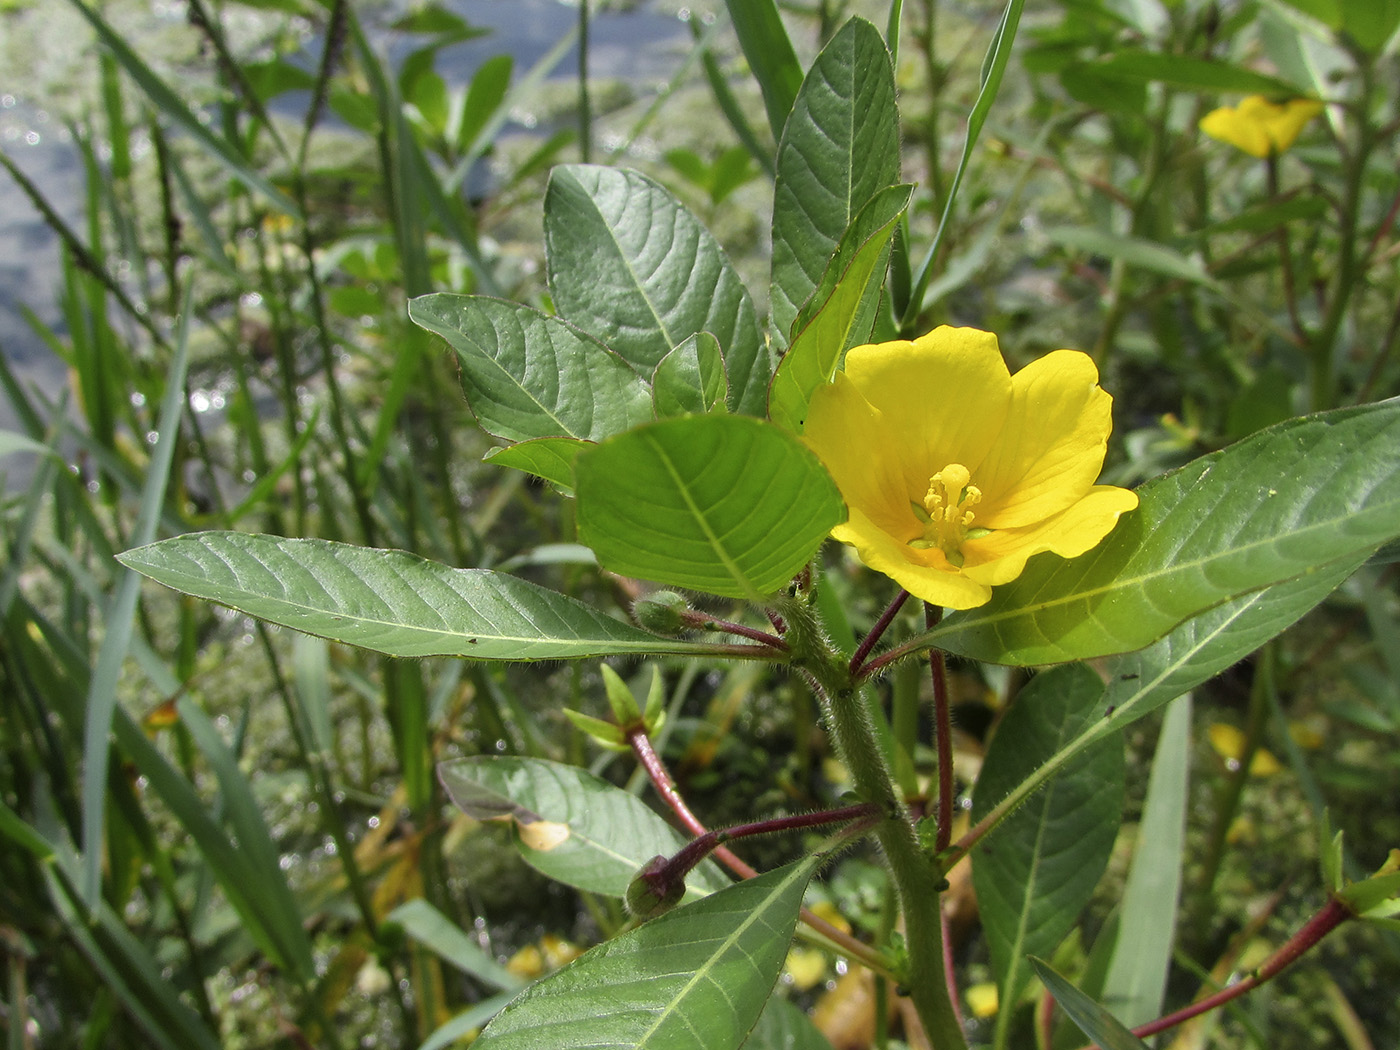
[[1260, 127], [954, 471]]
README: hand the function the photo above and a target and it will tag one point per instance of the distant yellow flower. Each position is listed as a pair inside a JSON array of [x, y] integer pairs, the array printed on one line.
[[1260, 127], [954, 471]]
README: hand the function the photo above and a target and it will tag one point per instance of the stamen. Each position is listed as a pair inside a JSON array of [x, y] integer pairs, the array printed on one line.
[[947, 513]]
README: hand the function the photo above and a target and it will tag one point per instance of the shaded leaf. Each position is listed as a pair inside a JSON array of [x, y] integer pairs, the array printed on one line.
[[629, 264], [610, 833], [1037, 871], [782, 1026], [696, 978], [1093, 1020], [1281, 503], [717, 503], [770, 55], [1192, 74], [388, 601], [548, 458], [1136, 983], [840, 147], [434, 930], [529, 375], [690, 379]]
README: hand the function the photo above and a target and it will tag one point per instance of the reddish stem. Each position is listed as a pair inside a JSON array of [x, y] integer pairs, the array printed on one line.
[[881, 625], [702, 622], [943, 733], [666, 788], [1328, 918]]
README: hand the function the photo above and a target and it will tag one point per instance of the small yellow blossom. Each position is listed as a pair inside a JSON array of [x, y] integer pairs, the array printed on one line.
[[982, 999], [1259, 127], [954, 471]]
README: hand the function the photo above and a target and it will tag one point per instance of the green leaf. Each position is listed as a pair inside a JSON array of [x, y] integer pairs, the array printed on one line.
[[724, 504], [1137, 252], [629, 264], [598, 836], [435, 931], [1036, 872], [528, 375], [770, 55], [275, 920], [1192, 74], [389, 601], [697, 978], [1141, 682], [548, 458], [1093, 1020], [836, 317], [1136, 982], [993, 70], [1284, 501], [840, 147], [690, 380], [482, 102], [1371, 23], [782, 1026]]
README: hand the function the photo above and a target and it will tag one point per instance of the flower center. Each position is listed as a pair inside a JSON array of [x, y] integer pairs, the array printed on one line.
[[946, 512]]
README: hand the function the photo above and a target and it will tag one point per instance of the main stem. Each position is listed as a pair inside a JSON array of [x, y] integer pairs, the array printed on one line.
[[917, 882]]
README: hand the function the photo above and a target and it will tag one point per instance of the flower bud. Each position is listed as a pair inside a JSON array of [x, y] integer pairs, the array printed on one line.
[[661, 612]]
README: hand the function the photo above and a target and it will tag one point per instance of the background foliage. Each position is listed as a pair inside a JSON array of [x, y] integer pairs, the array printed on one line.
[[266, 185]]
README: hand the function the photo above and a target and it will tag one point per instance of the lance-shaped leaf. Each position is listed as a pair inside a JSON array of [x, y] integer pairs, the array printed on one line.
[[1282, 502], [839, 314], [697, 978], [570, 825], [839, 148], [1093, 1020], [628, 263], [690, 380], [1142, 681], [529, 375], [389, 601], [1038, 870], [548, 458], [718, 503]]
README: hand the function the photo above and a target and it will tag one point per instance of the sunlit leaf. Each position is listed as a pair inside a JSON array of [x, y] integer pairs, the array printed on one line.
[[529, 375], [717, 503], [696, 978], [690, 379], [840, 147], [389, 601], [548, 458], [837, 316], [1281, 503], [630, 265]]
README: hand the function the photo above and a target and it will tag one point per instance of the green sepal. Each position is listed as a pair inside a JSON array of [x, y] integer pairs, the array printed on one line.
[[620, 698], [606, 734]]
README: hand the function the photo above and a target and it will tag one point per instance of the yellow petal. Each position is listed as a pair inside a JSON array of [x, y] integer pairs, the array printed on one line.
[[858, 449], [1283, 123], [1260, 127], [1051, 449], [1001, 556], [944, 395]]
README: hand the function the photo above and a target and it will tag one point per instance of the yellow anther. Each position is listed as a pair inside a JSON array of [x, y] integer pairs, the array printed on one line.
[[948, 505]]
